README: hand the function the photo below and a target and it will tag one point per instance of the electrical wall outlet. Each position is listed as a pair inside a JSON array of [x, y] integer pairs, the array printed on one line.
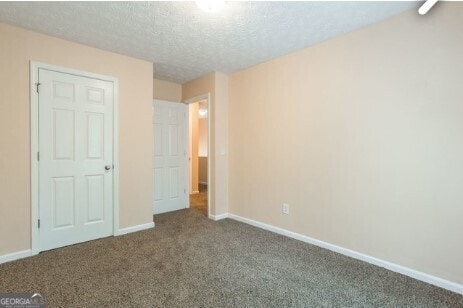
[[285, 208]]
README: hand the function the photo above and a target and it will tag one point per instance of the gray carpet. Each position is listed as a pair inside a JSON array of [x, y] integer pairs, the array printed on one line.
[[190, 261]]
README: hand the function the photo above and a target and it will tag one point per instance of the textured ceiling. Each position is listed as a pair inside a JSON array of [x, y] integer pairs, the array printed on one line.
[[185, 43]]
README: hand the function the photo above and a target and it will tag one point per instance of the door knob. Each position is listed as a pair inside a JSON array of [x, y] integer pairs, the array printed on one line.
[[107, 167]]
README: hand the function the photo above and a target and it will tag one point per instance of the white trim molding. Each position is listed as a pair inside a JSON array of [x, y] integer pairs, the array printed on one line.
[[15, 256], [28, 252], [135, 228], [439, 282], [209, 184], [218, 217]]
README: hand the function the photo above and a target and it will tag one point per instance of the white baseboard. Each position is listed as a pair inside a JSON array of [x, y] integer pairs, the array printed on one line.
[[439, 282], [27, 253], [15, 255], [218, 217], [135, 228]]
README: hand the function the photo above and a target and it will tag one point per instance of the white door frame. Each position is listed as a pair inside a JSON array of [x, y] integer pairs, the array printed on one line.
[[192, 100], [34, 69]]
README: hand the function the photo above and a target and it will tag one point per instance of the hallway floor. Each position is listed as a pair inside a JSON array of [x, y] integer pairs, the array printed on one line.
[[199, 201]]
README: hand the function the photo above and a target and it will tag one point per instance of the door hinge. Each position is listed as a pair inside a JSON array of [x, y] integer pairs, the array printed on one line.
[[184, 190], [37, 86], [38, 223], [38, 155]]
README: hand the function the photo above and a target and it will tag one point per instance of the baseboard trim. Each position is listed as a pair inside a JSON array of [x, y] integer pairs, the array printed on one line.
[[218, 217], [15, 255], [439, 282], [27, 253], [135, 228]]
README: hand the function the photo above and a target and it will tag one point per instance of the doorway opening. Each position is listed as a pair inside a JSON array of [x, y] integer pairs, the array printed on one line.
[[198, 154]]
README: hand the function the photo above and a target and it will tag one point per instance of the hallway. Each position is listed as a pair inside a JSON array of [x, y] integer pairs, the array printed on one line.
[[199, 201]]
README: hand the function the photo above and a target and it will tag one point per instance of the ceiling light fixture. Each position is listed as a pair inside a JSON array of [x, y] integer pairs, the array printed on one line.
[[210, 6], [202, 112]]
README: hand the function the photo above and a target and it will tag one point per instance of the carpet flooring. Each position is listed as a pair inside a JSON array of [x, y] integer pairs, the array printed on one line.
[[188, 260], [199, 201]]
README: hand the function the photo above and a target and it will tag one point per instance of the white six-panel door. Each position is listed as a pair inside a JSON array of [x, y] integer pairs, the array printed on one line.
[[170, 122], [76, 159]]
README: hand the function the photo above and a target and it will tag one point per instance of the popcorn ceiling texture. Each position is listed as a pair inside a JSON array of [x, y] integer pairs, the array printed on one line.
[[185, 43]]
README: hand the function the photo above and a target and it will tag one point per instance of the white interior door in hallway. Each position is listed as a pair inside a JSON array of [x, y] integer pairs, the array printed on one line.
[[75, 158], [170, 122]]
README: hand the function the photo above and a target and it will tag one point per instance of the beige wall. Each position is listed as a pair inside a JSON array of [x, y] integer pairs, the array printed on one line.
[[220, 148], [193, 141], [202, 137], [202, 173], [167, 91], [202, 150], [362, 136], [17, 48], [217, 85]]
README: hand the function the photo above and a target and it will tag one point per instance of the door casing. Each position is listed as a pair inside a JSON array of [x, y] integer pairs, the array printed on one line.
[[192, 100], [34, 124]]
